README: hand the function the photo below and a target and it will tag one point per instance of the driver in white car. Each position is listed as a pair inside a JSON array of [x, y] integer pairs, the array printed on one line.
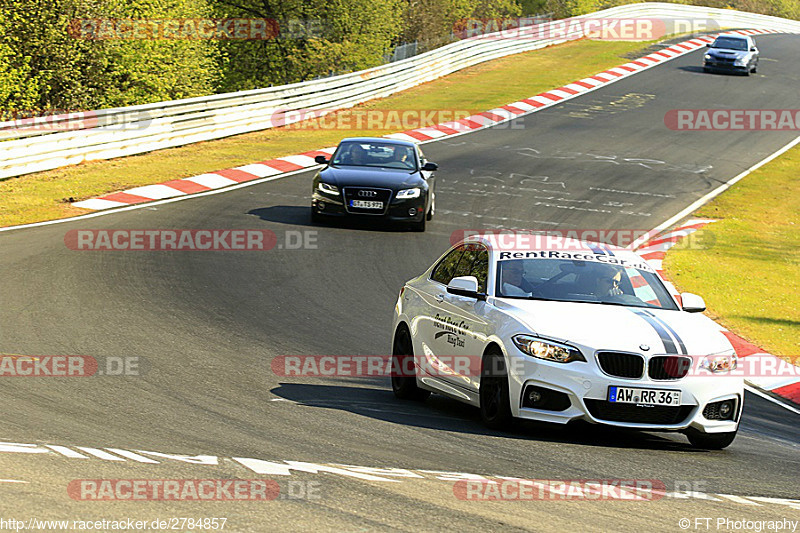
[[607, 281], [512, 282]]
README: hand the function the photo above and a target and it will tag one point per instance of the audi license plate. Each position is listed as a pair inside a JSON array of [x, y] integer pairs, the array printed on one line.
[[366, 204], [644, 396]]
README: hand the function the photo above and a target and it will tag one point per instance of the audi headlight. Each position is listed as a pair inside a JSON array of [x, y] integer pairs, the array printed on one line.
[[717, 364], [328, 188], [409, 193], [551, 351]]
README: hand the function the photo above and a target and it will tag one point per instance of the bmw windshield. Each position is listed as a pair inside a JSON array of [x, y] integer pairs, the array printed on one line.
[[565, 280], [375, 154]]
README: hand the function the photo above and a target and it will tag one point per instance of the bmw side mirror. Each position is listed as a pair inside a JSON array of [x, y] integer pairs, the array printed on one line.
[[321, 159], [465, 286], [708, 45], [430, 166], [692, 303]]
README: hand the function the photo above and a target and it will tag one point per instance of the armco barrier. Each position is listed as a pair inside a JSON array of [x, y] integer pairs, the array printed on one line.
[[110, 133]]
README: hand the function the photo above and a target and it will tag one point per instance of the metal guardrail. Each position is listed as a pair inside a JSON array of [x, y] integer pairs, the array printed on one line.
[[110, 133]]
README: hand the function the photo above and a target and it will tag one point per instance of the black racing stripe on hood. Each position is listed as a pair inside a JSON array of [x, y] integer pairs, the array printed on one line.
[[672, 332], [669, 345]]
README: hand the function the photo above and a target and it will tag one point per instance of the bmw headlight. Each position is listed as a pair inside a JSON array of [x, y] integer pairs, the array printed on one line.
[[717, 364], [551, 351], [328, 188], [409, 193]]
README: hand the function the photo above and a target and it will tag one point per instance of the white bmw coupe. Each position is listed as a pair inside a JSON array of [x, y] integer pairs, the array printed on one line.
[[579, 331]]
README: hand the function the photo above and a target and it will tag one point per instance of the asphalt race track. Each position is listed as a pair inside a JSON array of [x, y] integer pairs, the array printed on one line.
[[206, 326]]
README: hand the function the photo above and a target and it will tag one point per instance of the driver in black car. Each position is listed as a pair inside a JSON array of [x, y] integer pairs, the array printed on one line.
[[358, 156]]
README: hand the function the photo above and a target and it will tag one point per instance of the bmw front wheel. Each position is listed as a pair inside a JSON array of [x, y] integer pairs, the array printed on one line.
[[404, 385], [494, 395]]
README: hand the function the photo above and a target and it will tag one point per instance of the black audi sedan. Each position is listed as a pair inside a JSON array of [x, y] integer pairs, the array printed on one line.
[[375, 177]]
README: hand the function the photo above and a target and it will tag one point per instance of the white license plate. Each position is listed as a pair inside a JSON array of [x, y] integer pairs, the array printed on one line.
[[644, 396], [366, 204]]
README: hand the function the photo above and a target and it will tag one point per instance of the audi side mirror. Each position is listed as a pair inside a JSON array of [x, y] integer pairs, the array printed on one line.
[[430, 167], [465, 286], [321, 159]]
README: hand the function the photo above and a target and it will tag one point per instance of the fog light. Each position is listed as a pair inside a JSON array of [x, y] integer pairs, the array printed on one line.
[[412, 211], [722, 410], [545, 399]]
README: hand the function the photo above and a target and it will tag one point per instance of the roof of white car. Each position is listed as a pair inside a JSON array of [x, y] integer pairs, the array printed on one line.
[[521, 246]]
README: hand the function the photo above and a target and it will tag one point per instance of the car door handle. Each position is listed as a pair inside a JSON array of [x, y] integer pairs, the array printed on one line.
[[439, 298]]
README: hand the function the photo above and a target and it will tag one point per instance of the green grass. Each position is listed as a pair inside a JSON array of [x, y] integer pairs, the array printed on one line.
[[749, 273], [43, 196]]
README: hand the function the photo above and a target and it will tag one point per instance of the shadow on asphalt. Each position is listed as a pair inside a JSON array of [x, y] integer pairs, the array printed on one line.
[[442, 413], [699, 70], [296, 215]]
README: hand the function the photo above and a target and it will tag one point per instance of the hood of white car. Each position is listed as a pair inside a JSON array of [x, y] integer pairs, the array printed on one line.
[[618, 328]]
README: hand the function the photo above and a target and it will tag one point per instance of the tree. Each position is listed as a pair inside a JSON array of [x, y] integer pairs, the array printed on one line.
[[316, 38], [65, 68]]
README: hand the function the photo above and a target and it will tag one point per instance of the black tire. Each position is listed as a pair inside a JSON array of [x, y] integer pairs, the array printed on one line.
[[405, 387], [755, 68], [432, 209], [710, 441], [494, 396], [419, 226], [706, 69], [315, 217]]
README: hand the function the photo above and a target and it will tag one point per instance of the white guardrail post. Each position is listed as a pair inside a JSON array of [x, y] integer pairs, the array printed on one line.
[[56, 141]]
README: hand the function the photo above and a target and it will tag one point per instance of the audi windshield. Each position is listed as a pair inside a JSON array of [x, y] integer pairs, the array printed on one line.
[[372, 154]]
